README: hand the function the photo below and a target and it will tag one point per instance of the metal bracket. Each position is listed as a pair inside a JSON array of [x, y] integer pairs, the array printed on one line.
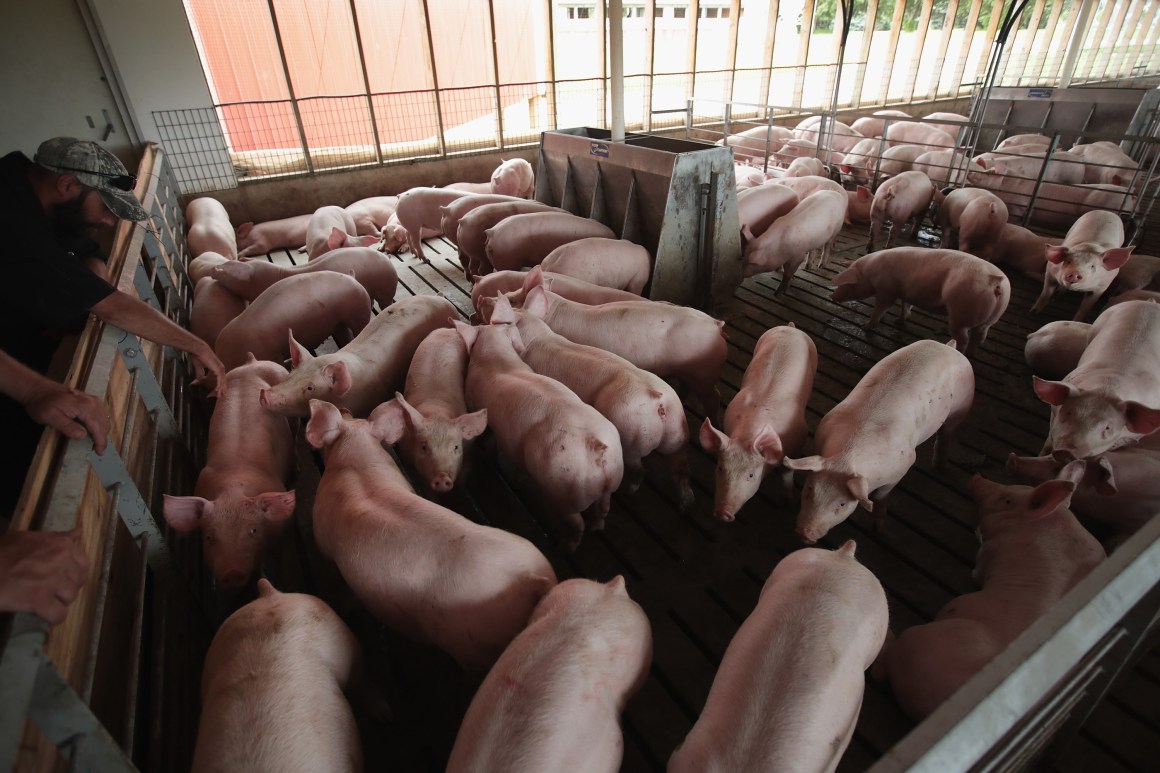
[[149, 388], [70, 724], [110, 468]]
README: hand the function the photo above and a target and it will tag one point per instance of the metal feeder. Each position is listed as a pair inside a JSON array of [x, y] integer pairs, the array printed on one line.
[[677, 198]]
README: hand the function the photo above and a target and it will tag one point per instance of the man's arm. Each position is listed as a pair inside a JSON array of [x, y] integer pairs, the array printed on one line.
[[139, 317], [67, 410]]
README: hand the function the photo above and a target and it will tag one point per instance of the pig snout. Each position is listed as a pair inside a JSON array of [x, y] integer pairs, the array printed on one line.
[[232, 579], [721, 514], [807, 535], [442, 482], [1072, 276], [1063, 455]]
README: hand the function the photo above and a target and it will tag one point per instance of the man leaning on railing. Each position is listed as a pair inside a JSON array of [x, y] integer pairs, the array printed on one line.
[[53, 277]]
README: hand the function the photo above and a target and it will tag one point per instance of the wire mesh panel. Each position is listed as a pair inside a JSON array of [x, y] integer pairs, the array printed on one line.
[[197, 149]]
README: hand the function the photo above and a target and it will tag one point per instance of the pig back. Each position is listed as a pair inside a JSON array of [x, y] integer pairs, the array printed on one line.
[[272, 690], [908, 394], [820, 621]]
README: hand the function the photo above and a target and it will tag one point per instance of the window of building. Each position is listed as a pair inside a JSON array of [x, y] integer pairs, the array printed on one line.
[[678, 13]]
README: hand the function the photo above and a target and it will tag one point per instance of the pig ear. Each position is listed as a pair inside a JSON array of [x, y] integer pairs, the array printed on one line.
[[276, 505], [324, 425], [864, 193], [536, 302], [860, 488], [1105, 479], [1048, 497], [409, 413], [1051, 392], [339, 377], [517, 339], [1055, 254], [768, 444], [244, 229], [298, 353], [368, 241], [501, 312], [265, 588], [847, 276], [712, 439], [848, 548], [1116, 257], [806, 463], [467, 333], [1140, 418], [534, 278], [389, 420], [184, 513], [472, 425], [746, 233], [336, 239]]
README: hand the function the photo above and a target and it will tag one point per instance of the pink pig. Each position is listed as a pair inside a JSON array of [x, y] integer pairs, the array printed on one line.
[[420, 213], [947, 167], [788, 691], [514, 177], [421, 569], [525, 240], [758, 142], [203, 265], [1054, 350], [858, 202], [431, 417], [973, 219], [930, 136], [898, 159], [370, 268], [645, 410], [471, 234], [330, 228], [1033, 552], [765, 422], [899, 200], [758, 207], [615, 263], [585, 652], [973, 292], [874, 125], [450, 215], [288, 233], [214, 307], [277, 660], [1087, 261], [662, 338], [568, 449], [371, 214], [1135, 295], [241, 501], [866, 443], [369, 369], [1022, 250], [1112, 397], [209, 228], [1118, 488], [515, 285], [1141, 272], [811, 225], [314, 306]]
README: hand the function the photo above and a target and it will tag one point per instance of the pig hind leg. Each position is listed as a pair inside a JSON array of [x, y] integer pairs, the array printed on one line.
[[882, 302], [1048, 290], [678, 464]]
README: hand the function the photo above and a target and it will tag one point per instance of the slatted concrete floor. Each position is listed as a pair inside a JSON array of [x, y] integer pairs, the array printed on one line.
[[698, 578]]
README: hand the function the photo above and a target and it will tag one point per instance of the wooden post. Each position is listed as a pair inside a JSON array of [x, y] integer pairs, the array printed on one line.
[[895, 32], [767, 54], [920, 44], [965, 50], [864, 51]]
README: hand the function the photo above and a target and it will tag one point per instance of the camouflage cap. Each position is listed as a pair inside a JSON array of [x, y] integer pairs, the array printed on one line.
[[97, 168]]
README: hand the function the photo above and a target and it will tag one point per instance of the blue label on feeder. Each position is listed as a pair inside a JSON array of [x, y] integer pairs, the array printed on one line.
[[1039, 93], [599, 149]]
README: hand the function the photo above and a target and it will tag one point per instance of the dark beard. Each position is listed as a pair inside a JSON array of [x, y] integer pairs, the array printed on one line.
[[68, 218]]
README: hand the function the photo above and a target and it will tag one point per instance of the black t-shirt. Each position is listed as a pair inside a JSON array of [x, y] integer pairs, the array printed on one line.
[[45, 286]]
